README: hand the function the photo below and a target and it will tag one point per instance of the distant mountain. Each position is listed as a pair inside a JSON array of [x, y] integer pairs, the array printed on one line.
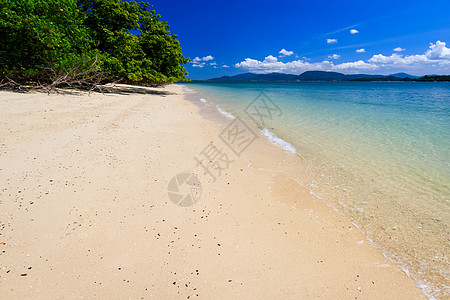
[[331, 76], [404, 75], [308, 76], [320, 76]]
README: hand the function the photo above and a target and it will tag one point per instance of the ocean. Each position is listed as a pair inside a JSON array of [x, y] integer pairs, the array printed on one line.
[[376, 152]]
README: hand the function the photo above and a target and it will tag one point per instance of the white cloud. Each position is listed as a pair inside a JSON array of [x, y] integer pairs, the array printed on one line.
[[381, 59], [271, 64], [436, 54], [435, 60], [206, 58], [285, 52], [356, 65], [225, 66], [331, 41], [397, 59], [334, 56], [299, 66], [362, 50], [198, 62], [270, 59], [354, 31], [399, 49], [198, 65], [438, 51]]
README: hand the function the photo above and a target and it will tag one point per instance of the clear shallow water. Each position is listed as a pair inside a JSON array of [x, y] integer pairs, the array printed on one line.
[[377, 152]]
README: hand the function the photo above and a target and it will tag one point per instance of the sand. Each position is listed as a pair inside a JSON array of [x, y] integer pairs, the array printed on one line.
[[85, 211]]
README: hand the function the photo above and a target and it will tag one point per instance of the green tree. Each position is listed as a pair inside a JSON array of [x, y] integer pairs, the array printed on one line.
[[153, 55], [41, 38], [52, 40]]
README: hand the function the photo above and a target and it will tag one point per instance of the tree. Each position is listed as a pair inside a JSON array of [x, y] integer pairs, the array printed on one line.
[[153, 55], [40, 38], [86, 41]]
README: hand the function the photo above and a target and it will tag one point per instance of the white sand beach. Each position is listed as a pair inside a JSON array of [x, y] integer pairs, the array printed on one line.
[[85, 211]]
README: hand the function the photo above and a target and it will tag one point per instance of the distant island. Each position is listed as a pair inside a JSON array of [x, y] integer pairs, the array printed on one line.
[[321, 76]]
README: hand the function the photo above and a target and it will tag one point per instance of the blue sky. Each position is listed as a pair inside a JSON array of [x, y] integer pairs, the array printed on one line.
[[232, 37]]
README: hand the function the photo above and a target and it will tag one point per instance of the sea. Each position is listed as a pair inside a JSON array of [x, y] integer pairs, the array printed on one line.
[[376, 152]]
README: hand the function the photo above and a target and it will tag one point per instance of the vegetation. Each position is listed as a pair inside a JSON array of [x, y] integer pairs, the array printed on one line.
[[86, 42], [386, 78], [434, 78]]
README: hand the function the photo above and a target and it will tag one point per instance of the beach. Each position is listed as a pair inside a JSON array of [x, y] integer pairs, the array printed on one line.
[[368, 153], [86, 213]]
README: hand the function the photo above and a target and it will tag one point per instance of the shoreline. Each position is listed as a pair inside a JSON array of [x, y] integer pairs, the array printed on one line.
[[101, 223], [433, 283], [283, 145]]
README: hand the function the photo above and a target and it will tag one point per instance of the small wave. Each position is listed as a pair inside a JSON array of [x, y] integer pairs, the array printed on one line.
[[188, 90], [202, 100], [224, 112], [277, 141]]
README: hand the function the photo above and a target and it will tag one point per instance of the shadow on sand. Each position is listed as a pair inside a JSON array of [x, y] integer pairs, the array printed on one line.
[[118, 89]]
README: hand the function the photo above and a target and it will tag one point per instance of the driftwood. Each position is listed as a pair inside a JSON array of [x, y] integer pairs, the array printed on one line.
[[73, 76], [51, 79], [10, 83], [77, 77]]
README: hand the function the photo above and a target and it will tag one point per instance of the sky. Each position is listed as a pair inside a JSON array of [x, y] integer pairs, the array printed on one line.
[[369, 37]]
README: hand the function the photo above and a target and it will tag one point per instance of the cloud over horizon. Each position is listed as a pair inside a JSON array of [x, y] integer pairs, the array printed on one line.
[[435, 59]]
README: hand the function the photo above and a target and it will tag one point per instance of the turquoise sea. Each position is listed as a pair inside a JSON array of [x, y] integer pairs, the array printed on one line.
[[377, 152]]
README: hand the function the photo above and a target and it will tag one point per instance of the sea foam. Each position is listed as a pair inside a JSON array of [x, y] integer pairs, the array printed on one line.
[[277, 141], [188, 90], [224, 112], [202, 100]]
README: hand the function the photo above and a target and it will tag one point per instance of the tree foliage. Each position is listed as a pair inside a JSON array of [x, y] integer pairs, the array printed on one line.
[[87, 41], [434, 78]]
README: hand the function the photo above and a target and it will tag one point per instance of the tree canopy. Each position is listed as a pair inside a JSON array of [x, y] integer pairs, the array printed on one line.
[[87, 41]]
